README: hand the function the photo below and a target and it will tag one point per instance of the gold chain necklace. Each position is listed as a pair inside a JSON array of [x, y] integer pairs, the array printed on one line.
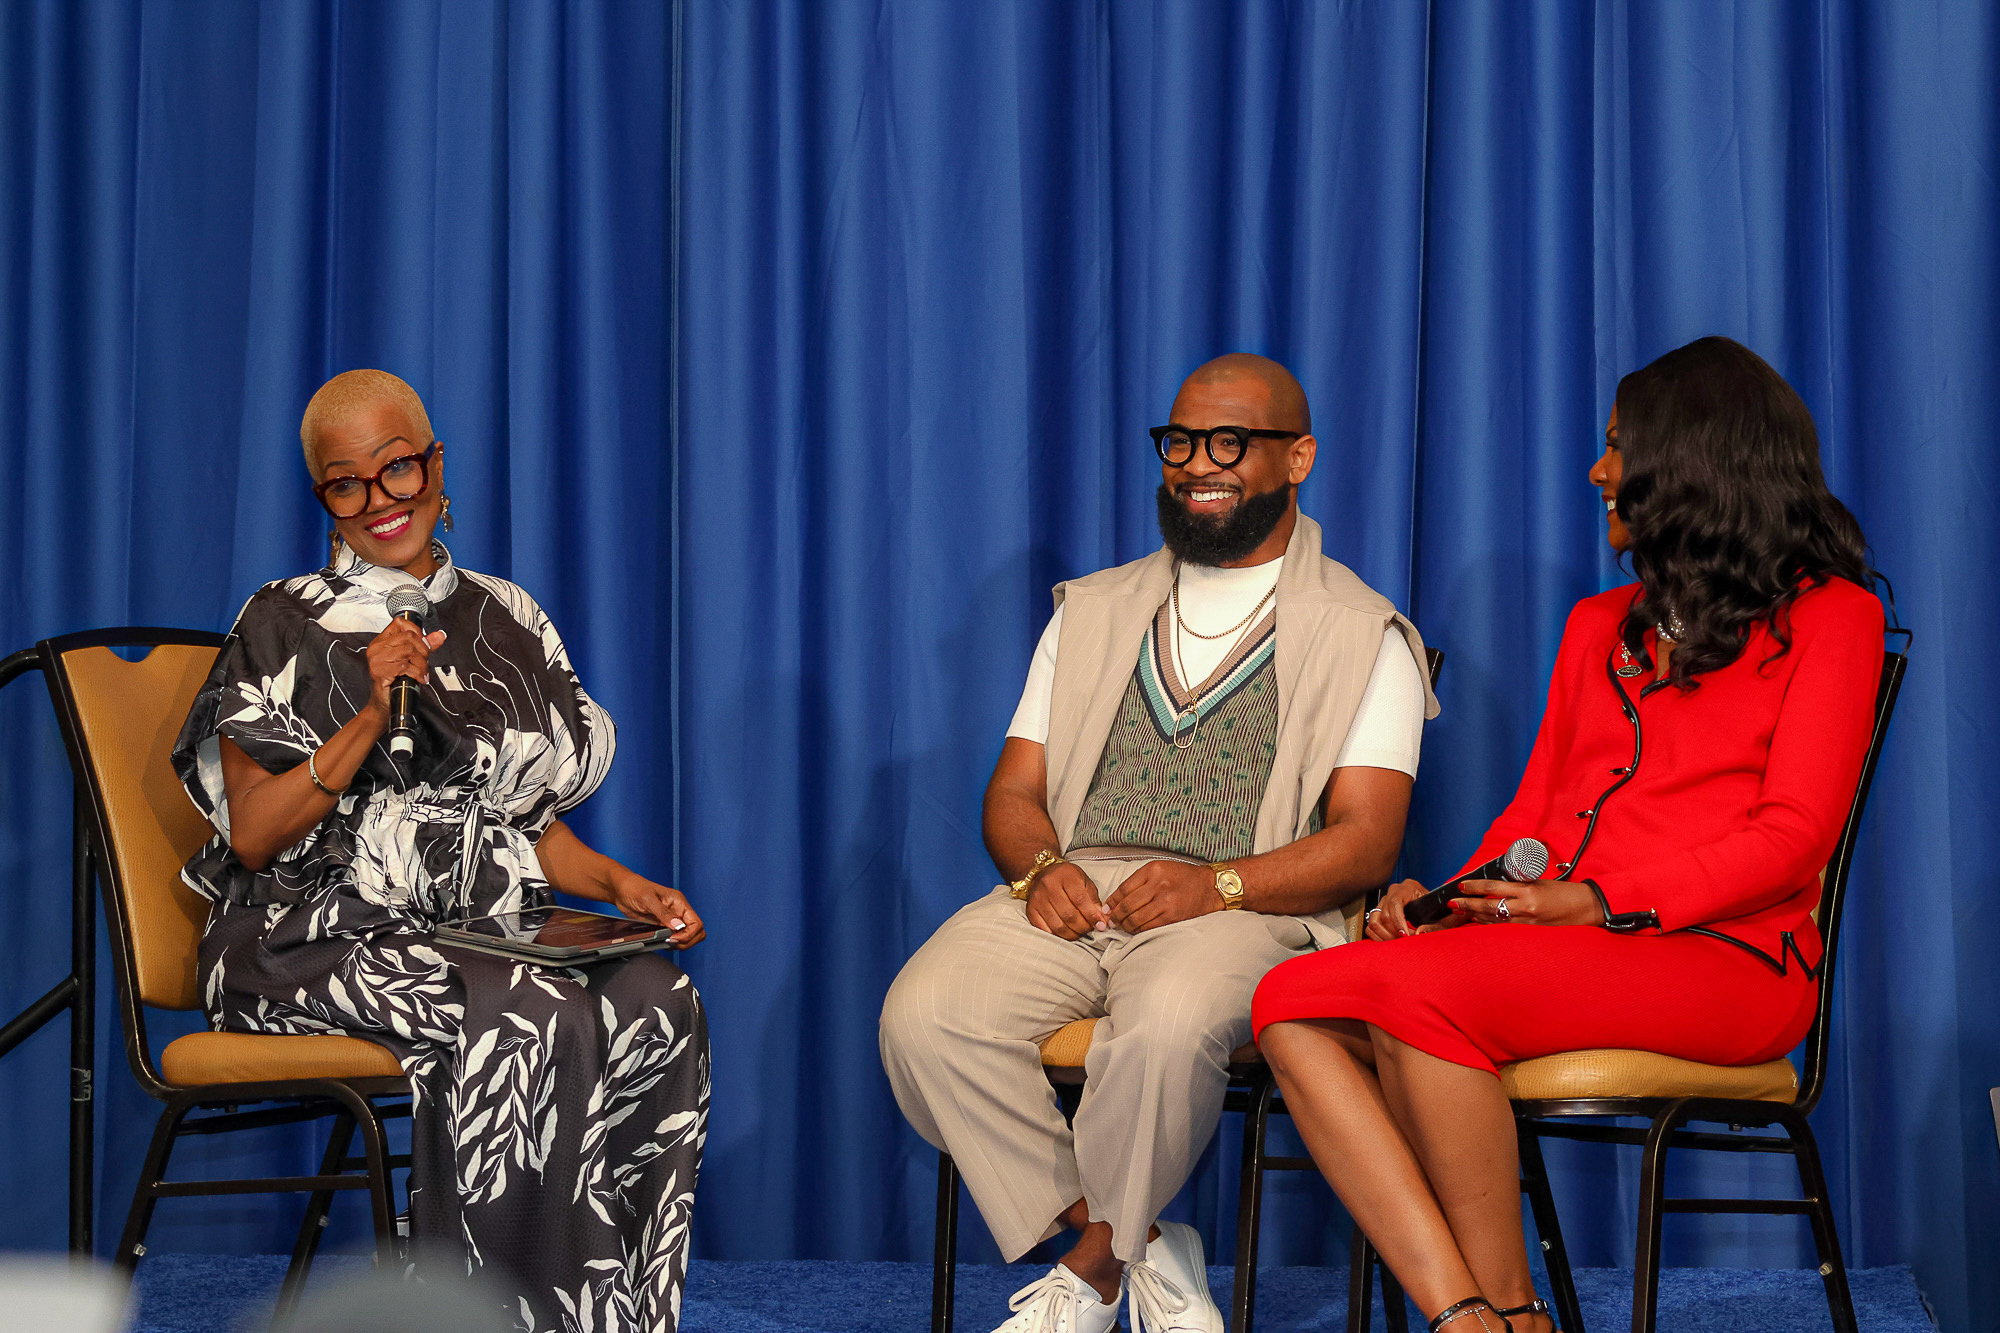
[[1189, 629], [1193, 711]]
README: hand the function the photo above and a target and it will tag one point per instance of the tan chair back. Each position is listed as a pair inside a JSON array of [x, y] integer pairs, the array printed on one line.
[[129, 715]]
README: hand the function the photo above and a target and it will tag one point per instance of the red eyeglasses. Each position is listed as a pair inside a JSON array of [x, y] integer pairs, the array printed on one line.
[[403, 478]]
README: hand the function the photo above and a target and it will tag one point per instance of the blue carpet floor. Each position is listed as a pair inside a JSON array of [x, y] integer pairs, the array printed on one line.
[[198, 1293]]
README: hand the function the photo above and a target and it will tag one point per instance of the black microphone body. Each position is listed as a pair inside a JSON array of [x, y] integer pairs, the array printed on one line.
[[406, 603], [1522, 863]]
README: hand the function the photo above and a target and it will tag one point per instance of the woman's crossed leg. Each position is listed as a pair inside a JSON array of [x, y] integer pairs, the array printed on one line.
[[1423, 1154]]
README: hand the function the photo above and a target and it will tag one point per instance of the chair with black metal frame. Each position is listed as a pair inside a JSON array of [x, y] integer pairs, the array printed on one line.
[[75, 996], [1251, 1091], [1552, 1094], [120, 720], [1262, 1099]]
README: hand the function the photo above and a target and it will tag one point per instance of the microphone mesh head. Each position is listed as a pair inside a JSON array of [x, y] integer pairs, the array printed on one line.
[[1526, 861], [409, 599]]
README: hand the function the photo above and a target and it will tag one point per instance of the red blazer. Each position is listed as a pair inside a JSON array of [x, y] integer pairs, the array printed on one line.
[[1740, 788]]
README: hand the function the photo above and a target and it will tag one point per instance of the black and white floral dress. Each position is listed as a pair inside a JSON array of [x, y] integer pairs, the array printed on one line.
[[560, 1113]]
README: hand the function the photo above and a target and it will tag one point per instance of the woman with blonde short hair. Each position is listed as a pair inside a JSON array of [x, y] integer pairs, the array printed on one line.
[[559, 1112]]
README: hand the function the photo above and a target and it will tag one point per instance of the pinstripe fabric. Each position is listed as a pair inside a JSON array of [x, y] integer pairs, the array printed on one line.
[[1201, 800], [960, 1033]]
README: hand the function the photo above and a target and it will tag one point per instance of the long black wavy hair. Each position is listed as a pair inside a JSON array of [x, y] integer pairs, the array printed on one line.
[[1727, 508]]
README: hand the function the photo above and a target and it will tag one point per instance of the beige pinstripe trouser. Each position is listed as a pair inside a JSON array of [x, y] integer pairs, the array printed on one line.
[[960, 1036]]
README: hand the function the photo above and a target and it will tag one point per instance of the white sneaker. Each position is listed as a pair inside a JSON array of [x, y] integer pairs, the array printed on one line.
[[1170, 1285], [1061, 1302]]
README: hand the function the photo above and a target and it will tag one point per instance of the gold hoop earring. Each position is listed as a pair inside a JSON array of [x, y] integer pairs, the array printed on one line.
[[444, 519]]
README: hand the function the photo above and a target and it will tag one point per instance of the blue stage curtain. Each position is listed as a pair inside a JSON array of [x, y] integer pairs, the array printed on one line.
[[789, 354], [945, 264], [209, 209]]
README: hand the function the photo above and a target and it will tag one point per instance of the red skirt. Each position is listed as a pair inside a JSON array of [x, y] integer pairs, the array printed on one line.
[[1484, 995]]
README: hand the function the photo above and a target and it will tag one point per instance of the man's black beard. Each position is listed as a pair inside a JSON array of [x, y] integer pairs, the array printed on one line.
[[1207, 541]]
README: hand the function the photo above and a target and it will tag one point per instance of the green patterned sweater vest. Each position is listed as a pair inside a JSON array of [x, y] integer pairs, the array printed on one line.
[[1184, 770]]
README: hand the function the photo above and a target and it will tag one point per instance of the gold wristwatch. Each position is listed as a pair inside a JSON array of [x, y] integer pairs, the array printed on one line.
[[1044, 859], [1229, 884]]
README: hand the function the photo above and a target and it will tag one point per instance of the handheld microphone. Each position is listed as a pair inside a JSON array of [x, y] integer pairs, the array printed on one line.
[[411, 603], [1523, 863]]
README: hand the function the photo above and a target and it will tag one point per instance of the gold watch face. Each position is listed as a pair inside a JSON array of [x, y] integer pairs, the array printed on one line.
[[1230, 885]]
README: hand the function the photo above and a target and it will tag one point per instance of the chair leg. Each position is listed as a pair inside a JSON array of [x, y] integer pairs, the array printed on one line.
[[1652, 1197], [375, 1152], [1360, 1283], [1362, 1264], [1826, 1239], [82, 1025], [318, 1206], [1250, 1208], [1541, 1199], [944, 1261], [131, 1244]]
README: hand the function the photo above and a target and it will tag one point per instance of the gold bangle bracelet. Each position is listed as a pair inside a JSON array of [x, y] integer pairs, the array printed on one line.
[[1044, 860]]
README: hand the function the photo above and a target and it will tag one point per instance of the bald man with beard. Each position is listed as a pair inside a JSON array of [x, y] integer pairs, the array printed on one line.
[[1213, 755]]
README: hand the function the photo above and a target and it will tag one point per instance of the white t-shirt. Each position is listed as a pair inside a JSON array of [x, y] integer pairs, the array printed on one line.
[[1388, 729]]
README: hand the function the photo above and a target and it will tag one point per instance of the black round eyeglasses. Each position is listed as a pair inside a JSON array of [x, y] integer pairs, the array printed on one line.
[[1225, 444]]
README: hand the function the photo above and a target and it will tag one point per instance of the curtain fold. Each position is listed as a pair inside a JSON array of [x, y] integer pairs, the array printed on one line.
[[208, 210], [1460, 226], [796, 499]]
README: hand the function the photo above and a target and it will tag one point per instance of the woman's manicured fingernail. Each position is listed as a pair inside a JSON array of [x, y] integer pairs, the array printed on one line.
[[678, 924]]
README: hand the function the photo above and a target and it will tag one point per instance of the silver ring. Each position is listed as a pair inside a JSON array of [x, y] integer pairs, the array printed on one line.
[[1503, 911], [1369, 916]]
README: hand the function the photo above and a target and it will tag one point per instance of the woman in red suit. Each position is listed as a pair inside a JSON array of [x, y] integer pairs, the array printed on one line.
[[1703, 736]]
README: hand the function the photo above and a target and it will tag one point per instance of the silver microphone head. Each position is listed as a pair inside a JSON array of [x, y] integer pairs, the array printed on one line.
[[1526, 861], [409, 599]]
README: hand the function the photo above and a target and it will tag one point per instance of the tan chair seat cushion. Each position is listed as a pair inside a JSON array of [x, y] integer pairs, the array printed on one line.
[[247, 1057], [1571, 1076], [1582, 1075], [1067, 1045]]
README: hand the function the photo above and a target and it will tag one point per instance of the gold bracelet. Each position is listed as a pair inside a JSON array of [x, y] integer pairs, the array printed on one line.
[[1044, 860]]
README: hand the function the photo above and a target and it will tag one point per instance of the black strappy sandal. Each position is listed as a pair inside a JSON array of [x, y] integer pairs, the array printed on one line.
[[1478, 1305], [1536, 1306]]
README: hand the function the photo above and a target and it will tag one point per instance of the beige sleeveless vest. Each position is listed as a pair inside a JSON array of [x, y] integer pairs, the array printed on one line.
[[1330, 627]]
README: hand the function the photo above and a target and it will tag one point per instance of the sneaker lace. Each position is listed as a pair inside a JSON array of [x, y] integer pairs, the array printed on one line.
[[1053, 1305], [1157, 1296]]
